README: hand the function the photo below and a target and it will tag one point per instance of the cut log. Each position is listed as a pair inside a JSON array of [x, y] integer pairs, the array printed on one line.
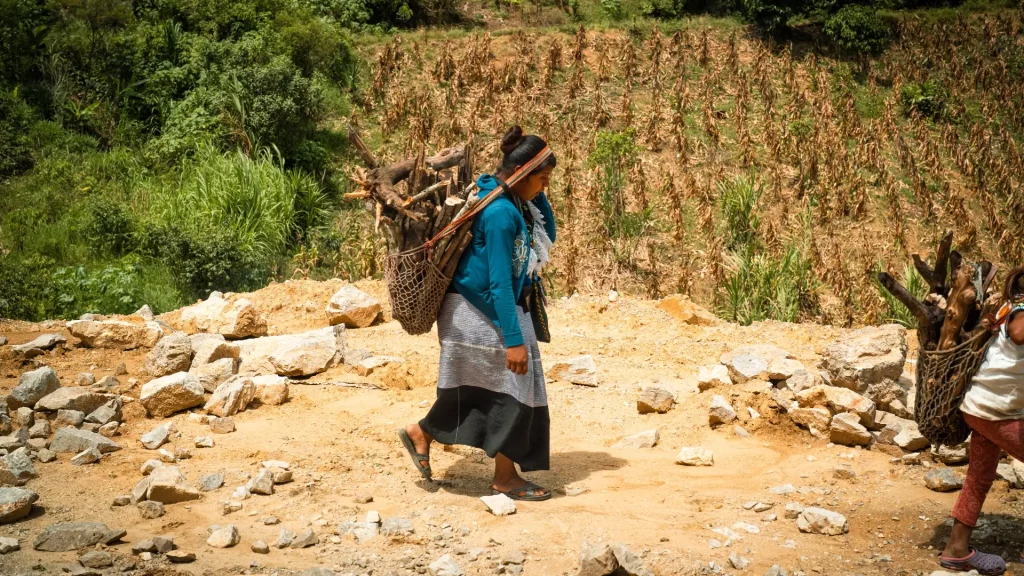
[[936, 277], [962, 298]]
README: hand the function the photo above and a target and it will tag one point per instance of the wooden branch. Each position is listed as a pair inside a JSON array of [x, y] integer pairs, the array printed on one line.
[[929, 318], [361, 149], [936, 277], [961, 302]]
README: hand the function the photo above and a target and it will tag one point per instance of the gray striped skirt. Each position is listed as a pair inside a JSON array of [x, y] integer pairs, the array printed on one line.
[[480, 402]]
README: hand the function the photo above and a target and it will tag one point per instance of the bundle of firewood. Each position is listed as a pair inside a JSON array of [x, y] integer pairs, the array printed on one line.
[[961, 302], [415, 199]]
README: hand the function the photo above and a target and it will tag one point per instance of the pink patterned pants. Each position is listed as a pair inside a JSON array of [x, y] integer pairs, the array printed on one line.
[[988, 439]]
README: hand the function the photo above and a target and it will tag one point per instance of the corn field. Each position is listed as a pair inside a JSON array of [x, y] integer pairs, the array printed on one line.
[[692, 159]]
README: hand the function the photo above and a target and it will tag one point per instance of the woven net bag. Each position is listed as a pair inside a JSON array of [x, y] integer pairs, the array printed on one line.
[[942, 380], [416, 289]]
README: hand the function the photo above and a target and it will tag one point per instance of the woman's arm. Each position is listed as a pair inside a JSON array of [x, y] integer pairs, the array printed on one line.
[[542, 204], [499, 237], [1015, 326]]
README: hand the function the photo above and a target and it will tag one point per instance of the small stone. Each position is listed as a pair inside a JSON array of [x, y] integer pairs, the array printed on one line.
[[224, 537], [910, 438], [204, 442], [363, 499], [222, 425], [150, 510], [373, 517], [655, 400], [211, 482], [638, 441], [109, 430], [73, 418], [847, 430], [281, 476], [167, 485], [163, 545], [85, 379], [499, 504], [32, 387], [793, 510], [241, 493], [230, 507], [741, 431], [262, 483], [96, 559], [276, 464], [597, 560], [179, 557], [776, 570], [73, 441], [149, 465], [8, 545], [709, 377], [397, 527], [843, 472], [581, 370], [821, 521], [942, 480], [45, 456], [23, 418], [75, 536], [169, 394], [122, 500], [260, 547], [271, 521], [143, 546], [445, 566], [156, 437], [284, 538], [305, 539], [107, 413], [89, 456], [738, 562], [695, 456], [720, 411], [353, 308], [166, 456]]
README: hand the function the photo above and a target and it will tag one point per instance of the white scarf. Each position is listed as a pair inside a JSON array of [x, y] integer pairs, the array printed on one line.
[[540, 255]]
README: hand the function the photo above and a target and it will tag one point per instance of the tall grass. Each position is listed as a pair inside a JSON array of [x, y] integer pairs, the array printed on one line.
[[266, 208], [760, 286], [896, 312], [738, 200]]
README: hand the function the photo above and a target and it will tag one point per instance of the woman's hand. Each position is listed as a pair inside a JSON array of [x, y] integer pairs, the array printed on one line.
[[516, 359]]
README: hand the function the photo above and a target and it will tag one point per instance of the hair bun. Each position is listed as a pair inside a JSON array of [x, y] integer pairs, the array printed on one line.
[[510, 141]]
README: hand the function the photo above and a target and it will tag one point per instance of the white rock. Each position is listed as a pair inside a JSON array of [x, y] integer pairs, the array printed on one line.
[[167, 485], [271, 389], [353, 308], [753, 362], [367, 366], [709, 377], [165, 396], [817, 418], [302, 354], [209, 348], [910, 438], [204, 442], [720, 411], [695, 456], [838, 400], [32, 387], [213, 374], [158, 436], [239, 319], [803, 379], [116, 334], [231, 397], [173, 353], [224, 537], [655, 399], [867, 356], [581, 370], [499, 504], [821, 521], [645, 439], [847, 430], [445, 566], [88, 456], [38, 345]]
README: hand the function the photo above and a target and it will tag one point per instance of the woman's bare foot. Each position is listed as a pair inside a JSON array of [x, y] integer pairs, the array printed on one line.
[[507, 478]]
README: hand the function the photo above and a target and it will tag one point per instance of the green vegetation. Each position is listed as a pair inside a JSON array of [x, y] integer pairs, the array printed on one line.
[[760, 286], [895, 312], [927, 99]]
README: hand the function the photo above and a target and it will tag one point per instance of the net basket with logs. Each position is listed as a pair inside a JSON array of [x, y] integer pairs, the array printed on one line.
[[427, 226], [956, 320]]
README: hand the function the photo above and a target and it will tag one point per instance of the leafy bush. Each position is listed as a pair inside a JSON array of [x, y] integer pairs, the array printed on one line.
[[927, 99], [858, 30], [614, 154], [15, 118], [612, 9], [771, 16], [738, 199], [762, 287], [111, 226]]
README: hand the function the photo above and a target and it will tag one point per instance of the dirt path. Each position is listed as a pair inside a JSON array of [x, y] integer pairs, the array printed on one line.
[[341, 443]]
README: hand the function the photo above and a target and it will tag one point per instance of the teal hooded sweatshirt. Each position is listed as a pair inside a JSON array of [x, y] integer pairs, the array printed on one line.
[[492, 271]]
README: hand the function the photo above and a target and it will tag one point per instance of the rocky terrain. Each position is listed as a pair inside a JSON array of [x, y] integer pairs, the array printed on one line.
[[255, 433]]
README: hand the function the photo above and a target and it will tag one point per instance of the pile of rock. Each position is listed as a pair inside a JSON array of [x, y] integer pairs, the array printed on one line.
[[858, 398], [40, 418]]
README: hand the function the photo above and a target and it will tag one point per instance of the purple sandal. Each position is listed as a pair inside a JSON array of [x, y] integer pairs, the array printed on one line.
[[985, 564]]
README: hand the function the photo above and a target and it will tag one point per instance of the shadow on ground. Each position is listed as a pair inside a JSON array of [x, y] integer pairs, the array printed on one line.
[[471, 475]]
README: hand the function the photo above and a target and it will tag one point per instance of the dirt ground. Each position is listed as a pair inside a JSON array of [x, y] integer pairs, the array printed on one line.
[[341, 442]]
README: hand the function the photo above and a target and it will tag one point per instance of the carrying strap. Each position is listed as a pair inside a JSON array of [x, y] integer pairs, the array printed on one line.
[[524, 171]]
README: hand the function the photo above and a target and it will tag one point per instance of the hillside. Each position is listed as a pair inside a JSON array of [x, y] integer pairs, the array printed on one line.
[[765, 181]]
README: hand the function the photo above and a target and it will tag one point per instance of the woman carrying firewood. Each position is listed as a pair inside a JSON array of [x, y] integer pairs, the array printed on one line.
[[994, 408], [490, 391]]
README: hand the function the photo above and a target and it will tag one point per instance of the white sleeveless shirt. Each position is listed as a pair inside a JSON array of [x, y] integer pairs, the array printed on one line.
[[997, 390]]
